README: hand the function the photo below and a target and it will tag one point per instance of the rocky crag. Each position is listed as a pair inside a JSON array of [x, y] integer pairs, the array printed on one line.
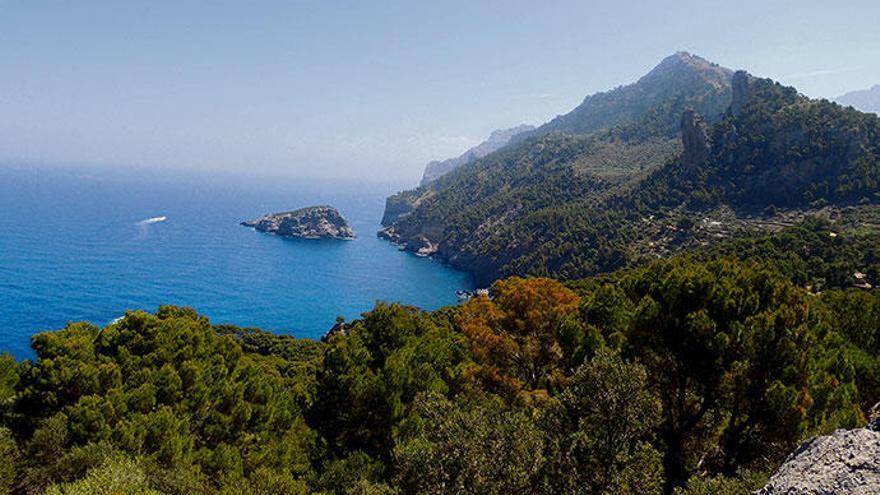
[[844, 462], [314, 222]]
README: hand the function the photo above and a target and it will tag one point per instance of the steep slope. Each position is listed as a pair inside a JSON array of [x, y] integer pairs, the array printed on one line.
[[496, 140], [867, 100], [650, 105], [545, 207]]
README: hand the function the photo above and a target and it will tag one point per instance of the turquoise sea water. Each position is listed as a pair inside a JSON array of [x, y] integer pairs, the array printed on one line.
[[74, 245]]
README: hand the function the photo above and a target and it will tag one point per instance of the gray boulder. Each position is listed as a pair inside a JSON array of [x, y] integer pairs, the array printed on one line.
[[847, 462]]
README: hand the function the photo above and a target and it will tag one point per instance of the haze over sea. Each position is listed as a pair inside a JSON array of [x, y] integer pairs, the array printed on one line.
[[77, 244]]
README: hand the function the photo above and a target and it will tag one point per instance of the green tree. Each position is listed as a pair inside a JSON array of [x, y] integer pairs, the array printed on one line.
[[599, 433], [372, 374], [114, 477], [734, 353], [474, 447], [163, 386]]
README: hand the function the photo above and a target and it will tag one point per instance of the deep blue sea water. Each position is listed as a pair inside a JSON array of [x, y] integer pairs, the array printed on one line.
[[73, 246]]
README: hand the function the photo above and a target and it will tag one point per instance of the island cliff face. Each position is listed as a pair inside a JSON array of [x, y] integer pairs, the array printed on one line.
[[314, 222]]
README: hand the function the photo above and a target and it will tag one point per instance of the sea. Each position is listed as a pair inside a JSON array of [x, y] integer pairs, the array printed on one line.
[[89, 244]]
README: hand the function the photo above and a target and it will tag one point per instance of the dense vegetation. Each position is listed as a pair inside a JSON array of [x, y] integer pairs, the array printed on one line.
[[680, 376], [572, 205]]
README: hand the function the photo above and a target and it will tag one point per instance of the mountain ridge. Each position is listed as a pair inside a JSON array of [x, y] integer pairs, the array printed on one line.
[[866, 100], [496, 140]]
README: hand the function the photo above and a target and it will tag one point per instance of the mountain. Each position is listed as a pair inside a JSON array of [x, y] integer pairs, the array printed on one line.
[[607, 140], [495, 141], [625, 130], [680, 80], [652, 104], [569, 204], [867, 100]]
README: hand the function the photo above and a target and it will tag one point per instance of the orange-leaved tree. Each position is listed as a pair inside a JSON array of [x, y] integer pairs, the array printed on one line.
[[515, 335]]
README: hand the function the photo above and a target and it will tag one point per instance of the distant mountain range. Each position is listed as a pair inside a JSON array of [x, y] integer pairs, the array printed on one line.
[[689, 154], [867, 100], [495, 141]]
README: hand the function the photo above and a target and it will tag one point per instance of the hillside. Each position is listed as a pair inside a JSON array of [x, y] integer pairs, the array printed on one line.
[[867, 100], [496, 140], [569, 205]]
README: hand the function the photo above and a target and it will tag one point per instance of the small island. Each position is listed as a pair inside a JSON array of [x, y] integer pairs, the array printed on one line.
[[313, 222]]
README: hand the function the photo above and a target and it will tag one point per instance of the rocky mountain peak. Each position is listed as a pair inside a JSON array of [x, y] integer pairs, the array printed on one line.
[[680, 63], [680, 80]]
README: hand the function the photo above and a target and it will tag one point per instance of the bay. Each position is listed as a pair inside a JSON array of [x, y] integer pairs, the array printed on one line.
[[79, 244]]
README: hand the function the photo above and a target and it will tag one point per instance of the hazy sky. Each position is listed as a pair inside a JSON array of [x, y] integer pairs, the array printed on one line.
[[369, 89]]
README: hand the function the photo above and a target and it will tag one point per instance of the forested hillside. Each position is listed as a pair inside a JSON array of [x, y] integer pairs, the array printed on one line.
[[684, 376], [570, 205]]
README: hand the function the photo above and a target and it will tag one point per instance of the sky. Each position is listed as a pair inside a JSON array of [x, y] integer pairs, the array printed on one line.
[[369, 89]]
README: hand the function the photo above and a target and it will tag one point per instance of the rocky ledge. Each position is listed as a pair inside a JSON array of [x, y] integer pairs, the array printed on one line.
[[313, 222], [418, 244], [846, 462]]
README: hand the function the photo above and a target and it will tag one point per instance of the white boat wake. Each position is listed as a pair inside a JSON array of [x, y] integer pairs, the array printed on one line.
[[148, 221]]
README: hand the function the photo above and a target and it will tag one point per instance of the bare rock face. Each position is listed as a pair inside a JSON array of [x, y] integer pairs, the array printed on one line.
[[695, 138], [422, 246], [314, 222], [741, 88], [847, 462]]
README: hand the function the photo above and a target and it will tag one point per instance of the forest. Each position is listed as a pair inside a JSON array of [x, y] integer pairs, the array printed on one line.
[[692, 375]]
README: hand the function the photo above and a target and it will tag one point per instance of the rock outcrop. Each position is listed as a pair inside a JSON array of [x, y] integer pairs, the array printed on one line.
[[741, 89], [695, 138], [847, 462], [314, 222], [418, 244]]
